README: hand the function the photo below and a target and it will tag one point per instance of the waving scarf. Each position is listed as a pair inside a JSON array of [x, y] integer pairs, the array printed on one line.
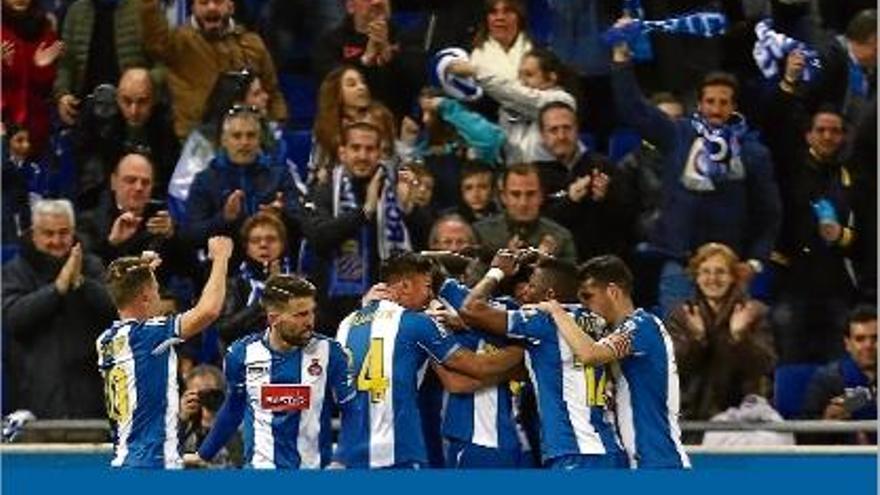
[[702, 24], [771, 49]]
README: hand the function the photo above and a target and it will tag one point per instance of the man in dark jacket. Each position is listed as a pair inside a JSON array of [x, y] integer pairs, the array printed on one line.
[[239, 182], [847, 388], [816, 286], [127, 222], [583, 191], [718, 180], [54, 306], [113, 124]]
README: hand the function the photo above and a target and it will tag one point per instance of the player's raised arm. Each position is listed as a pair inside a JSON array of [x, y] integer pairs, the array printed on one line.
[[585, 349], [211, 302], [476, 310], [489, 369]]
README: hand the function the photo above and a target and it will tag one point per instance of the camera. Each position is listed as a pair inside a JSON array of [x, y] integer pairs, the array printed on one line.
[[103, 101], [855, 398], [211, 399]]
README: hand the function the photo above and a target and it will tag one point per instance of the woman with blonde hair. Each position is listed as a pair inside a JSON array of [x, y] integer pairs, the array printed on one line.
[[722, 338]]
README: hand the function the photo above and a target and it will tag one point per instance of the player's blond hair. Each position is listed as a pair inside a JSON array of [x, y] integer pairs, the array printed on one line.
[[126, 277]]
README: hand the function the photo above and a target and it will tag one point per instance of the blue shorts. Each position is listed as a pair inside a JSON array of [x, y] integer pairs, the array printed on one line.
[[466, 455], [586, 461]]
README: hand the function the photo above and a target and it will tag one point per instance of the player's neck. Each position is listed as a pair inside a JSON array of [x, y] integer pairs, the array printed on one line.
[[134, 313], [624, 310], [278, 344]]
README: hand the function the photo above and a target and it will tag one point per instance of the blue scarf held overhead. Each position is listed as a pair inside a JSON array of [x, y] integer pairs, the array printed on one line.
[[771, 49], [716, 154], [702, 24], [255, 276]]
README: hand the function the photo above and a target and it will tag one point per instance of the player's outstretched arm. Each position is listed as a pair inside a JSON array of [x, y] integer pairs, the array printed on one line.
[[476, 310], [585, 349], [211, 302]]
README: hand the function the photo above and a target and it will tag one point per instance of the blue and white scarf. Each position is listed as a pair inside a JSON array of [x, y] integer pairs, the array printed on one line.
[[350, 271], [255, 276], [702, 24], [771, 49], [716, 154]]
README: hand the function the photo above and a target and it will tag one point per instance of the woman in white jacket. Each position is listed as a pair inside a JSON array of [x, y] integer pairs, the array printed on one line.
[[540, 81], [501, 40]]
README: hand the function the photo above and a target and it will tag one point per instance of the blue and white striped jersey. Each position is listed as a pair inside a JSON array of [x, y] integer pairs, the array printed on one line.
[[286, 400], [571, 396], [647, 392], [486, 417], [139, 365], [389, 347]]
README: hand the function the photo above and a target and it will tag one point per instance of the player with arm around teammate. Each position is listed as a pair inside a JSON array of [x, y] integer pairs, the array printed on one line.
[[138, 362], [390, 342], [576, 428], [283, 383], [645, 372]]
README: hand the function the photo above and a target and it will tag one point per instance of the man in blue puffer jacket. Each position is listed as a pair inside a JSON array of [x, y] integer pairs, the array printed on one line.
[[239, 182]]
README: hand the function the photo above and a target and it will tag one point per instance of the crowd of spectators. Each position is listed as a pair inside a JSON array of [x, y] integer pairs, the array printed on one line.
[[746, 203]]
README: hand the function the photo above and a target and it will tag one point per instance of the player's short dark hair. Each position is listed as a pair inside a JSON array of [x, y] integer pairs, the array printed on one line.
[[281, 288], [360, 126], [862, 26], [862, 313], [405, 265], [719, 78], [520, 169], [561, 276], [126, 278], [607, 269], [556, 105]]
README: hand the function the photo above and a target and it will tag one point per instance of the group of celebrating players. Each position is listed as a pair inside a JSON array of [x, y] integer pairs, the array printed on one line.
[[602, 373]]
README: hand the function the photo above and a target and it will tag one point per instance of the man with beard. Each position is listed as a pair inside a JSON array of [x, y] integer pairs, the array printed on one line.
[[283, 383], [54, 305], [198, 53]]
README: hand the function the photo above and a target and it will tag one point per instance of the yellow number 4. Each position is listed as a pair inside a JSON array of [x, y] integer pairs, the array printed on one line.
[[595, 388], [372, 375]]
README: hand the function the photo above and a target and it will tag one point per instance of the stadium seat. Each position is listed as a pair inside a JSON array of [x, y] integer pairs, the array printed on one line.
[[301, 94], [300, 145], [621, 142], [790, 388], [588, 139]]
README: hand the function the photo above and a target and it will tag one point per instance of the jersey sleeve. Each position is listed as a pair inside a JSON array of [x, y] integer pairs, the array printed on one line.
[[631, 339], [340, 374], [528, 324], [429, 335], [163, 333], [454, 292], [232, 411]]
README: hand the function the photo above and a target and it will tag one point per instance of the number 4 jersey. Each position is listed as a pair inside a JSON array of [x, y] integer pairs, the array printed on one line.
[[139, 365], [389, 348]]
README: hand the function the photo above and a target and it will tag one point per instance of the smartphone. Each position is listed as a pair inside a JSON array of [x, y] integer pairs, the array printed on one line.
[[153, 206]]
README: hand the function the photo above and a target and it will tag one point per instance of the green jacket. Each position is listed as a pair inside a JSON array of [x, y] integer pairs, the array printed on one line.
[[77, 36], [496, 231]]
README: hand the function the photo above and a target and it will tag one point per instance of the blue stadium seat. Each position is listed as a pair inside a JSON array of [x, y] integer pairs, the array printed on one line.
[[9, 252], [621, 142], [299, 144], [588, 139], [790, 388], [301, 94]]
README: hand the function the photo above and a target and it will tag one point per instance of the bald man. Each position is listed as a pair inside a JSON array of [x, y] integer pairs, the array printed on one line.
[[138, 122], [135, 96]]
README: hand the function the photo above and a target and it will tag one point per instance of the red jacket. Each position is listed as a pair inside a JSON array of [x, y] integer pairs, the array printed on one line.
[[27, 89]]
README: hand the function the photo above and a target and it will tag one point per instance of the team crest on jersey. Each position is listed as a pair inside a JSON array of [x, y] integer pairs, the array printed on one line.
[[315, 369]]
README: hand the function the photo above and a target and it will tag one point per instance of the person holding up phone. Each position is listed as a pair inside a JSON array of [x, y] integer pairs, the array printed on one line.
[[128, 221]]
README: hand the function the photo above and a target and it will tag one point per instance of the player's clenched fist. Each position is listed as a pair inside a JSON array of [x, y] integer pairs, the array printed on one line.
[[219, 247]]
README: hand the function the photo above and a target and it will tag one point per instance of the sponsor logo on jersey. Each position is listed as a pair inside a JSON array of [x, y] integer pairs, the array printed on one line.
[[278, 397]]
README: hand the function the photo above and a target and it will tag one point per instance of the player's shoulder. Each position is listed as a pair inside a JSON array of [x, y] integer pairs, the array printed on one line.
[[239, 346]]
